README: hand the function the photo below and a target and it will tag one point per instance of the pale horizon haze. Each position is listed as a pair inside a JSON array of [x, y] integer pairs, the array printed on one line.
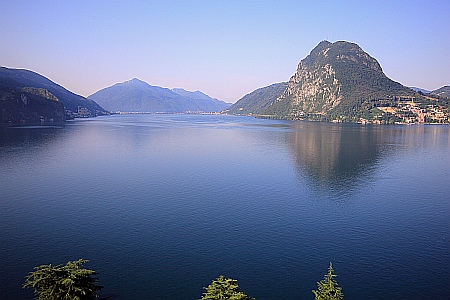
[[225, 49]]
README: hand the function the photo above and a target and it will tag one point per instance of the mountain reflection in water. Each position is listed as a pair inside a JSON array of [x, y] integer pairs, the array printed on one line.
[[339, 157], [332, 157]]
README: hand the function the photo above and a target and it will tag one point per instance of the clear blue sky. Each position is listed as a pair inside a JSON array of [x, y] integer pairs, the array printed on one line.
[[223, 48]]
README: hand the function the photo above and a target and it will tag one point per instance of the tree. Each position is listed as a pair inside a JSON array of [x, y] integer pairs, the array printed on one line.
[[68, 282], [328, 288], [224, 288]]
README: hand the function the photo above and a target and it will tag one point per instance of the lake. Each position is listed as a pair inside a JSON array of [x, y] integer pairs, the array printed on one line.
[[163, 204]]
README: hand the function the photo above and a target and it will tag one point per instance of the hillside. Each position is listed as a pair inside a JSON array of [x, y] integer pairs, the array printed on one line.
[[337, 81], [257, 101], [138, 96], [214, 103], [442, 92], [21, 105], [70, 100]]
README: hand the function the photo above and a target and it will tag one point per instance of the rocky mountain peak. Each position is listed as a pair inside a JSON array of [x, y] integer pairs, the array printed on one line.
[[340, 52], [333, 81]]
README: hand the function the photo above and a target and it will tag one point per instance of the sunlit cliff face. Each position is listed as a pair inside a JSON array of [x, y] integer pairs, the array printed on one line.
[[314, 90]]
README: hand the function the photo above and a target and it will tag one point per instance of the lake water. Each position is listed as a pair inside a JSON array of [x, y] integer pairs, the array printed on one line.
[[163, 204]]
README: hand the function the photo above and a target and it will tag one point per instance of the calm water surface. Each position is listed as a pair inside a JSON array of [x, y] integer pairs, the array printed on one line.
[[163, 204]]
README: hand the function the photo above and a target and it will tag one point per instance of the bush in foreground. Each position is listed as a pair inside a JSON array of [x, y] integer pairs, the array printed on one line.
[[224, 288], [68, 282], [72, 282], [328, 288]]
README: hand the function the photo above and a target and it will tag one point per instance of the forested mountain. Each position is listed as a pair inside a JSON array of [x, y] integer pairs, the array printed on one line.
[[257, 101], [22, 105], [442, 92], [337, 81], [138, 96], [71, 101]]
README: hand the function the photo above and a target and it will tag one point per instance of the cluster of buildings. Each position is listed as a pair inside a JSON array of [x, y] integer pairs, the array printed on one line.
[[81, 112], [407, 111]]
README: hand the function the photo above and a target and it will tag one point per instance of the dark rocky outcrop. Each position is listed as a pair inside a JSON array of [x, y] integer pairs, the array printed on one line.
[[72, 102], [28, 105]]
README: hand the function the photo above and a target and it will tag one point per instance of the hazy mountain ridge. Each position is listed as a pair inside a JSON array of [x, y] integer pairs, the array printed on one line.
[[192, 95], [441, 92], [138, 96], [257, 101], [421, 90], [70, 100]]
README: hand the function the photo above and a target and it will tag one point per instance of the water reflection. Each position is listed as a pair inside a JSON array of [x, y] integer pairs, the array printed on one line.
[[17, 138], [339, 157], [165, 194], [335, 156]]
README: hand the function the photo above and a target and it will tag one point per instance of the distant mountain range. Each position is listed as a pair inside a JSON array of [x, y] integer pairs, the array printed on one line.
[[417, 89], [442, 92], [138, 96], [27, 97], [335, 82], [71, 101]]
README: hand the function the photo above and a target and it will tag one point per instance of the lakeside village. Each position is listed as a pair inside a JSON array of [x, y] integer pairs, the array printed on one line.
[[82, 112], [407, 110]]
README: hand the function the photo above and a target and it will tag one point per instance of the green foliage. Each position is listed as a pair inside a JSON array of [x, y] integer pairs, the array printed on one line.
[[328, 288], [224, 288], [257, 101], [68, 282]]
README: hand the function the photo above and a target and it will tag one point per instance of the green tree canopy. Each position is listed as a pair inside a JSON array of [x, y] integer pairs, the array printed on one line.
[[328, 288], [68, 282], [224, 288]]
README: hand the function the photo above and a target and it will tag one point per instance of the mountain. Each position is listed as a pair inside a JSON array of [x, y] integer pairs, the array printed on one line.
[[22, 105], [442, 92], [257, 101], [70, 100], [138, 96], [192, 95], [198, 95], [420, 90], [337, 81]]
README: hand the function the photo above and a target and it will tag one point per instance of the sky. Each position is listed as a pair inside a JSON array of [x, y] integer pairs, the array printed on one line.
[[225, 49]]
